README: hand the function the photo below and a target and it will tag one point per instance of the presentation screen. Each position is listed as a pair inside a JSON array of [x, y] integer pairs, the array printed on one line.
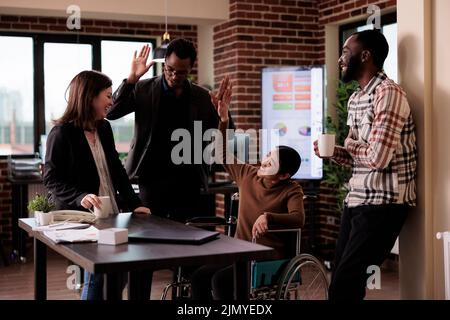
[[292, 113]]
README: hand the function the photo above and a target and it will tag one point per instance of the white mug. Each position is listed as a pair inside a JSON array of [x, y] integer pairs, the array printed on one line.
[[105, 208], [43, 218], [326, 143]]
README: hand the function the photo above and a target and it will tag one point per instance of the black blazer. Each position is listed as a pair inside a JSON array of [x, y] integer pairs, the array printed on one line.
[[143, 98], [70, 171]]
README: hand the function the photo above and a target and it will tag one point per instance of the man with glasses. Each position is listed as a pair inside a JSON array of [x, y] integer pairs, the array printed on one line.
[[381, 150], [162, 105]]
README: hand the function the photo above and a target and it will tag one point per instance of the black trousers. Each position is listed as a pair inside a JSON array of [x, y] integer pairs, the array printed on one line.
[[366, 237], [213, 282]]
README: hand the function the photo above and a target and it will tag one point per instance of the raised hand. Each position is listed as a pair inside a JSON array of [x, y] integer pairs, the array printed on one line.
[[221, 99], [139, 64]]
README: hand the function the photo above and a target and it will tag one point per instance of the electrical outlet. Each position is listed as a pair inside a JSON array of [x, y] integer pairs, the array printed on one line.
[[331, 220]]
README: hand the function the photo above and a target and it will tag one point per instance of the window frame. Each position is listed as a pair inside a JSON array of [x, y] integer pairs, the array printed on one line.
[[39, 39]]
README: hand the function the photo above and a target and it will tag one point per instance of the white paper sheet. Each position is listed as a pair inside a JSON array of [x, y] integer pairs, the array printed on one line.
[[62, 226], [73, 235]]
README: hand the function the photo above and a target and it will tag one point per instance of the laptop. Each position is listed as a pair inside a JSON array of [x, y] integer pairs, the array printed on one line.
[[187, 235]]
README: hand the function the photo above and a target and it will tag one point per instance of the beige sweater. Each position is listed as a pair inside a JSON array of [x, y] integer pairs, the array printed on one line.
[[283, 204]]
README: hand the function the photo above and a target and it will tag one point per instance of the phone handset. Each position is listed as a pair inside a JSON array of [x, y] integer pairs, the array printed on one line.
[[73, 216]]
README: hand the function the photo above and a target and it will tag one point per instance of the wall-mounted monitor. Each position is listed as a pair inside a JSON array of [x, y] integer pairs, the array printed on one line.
[[293, 112]]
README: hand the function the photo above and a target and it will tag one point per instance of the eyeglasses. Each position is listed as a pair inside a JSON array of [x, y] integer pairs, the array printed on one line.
[[172, 72]]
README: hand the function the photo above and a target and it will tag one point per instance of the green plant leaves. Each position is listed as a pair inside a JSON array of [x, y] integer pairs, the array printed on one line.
[[40, 203], [337, 176]]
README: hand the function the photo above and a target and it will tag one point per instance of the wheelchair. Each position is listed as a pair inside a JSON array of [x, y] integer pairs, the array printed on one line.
[[302, 277]]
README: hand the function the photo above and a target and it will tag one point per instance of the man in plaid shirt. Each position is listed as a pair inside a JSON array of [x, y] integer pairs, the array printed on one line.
[[381, 150]]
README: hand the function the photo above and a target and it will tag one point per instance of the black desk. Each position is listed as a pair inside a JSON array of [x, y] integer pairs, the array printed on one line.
[[19, 195], [135, 258]]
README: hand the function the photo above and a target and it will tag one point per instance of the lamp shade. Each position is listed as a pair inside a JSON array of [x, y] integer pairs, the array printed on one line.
[[159, 54]]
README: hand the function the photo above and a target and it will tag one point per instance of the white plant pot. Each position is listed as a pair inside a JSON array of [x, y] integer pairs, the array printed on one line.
[[43, 218]]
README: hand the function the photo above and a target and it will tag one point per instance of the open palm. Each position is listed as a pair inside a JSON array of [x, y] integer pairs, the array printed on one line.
[[221, 99], [139, 64]]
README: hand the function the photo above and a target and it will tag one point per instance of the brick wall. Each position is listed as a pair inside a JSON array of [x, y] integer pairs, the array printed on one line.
[[96, 27], [263, 33], [334, 11], [88, 27]]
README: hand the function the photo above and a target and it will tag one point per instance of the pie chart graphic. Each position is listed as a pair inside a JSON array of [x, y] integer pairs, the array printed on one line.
[[304, 131], [281, 128]]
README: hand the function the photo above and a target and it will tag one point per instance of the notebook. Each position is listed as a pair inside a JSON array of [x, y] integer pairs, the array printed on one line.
[[185, 235]]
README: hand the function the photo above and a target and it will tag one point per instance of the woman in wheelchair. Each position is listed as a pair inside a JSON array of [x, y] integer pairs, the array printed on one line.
[[267, 197]]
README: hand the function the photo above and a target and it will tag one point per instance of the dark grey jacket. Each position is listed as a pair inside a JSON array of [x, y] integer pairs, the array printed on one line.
[[143, 98]]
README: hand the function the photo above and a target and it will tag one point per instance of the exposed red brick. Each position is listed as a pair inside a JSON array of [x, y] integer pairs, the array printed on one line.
[[42, 27], [48, 20], [261, 8], [279, 9], [114, 30], [10, 19], [20, 26], [127, 31], [135, 25], [57, 28], [93, 30], [28, 19]]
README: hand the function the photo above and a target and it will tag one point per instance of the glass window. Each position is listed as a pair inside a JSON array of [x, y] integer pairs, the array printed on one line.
[[390, 65], [62, 62], [116, 61], [16, 95]]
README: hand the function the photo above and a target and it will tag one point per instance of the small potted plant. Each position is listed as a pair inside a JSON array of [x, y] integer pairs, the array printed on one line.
[[41, 206]]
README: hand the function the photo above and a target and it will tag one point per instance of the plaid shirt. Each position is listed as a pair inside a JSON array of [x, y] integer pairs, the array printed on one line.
[[381, 146]]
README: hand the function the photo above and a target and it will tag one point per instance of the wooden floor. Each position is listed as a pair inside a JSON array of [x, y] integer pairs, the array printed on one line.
[[16, 282]]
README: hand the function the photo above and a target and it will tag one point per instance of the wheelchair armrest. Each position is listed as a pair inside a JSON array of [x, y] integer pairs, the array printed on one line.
[[282, 229]]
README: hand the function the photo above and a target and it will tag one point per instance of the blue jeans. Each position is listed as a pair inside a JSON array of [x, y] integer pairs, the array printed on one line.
[[93, 286], [94, 283]]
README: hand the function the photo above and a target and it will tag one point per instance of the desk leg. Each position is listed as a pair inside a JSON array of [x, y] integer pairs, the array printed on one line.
[[139, 285], [23, 213], [40, 270], [113, 287], [241, 281], [19, 210], [133, 285]]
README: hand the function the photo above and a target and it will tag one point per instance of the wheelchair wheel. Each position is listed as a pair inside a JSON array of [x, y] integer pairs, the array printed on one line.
[[304, 278]]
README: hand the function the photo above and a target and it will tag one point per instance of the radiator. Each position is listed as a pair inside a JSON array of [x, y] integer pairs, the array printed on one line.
[[446, 237]]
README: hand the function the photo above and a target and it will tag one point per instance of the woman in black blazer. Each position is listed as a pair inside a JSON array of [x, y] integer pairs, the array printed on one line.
[[81, 162]]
